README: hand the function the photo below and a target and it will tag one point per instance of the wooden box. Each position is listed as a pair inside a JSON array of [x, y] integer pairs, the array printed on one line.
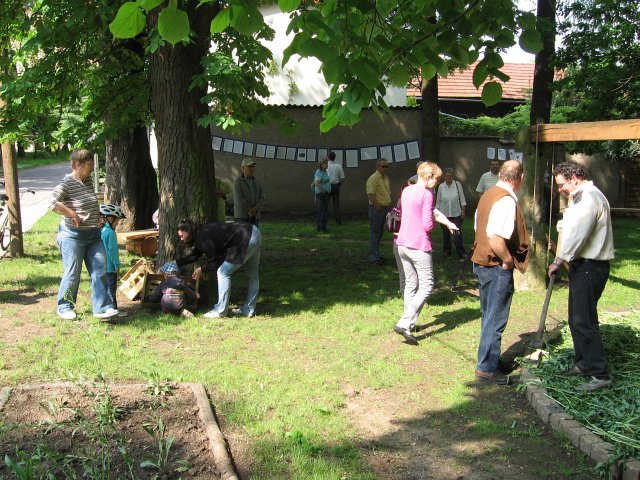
[[132, 283]]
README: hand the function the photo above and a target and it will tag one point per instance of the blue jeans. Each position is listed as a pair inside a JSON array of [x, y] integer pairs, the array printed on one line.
[[77, 246], [112, 287], [377, 218], [250, 266], [322, 199], [418, 271], [496, 292]]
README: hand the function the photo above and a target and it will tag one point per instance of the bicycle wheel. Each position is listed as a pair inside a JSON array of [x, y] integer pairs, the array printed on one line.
[[5, 236]]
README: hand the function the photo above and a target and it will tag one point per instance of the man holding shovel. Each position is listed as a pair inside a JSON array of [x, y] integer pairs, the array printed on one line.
[[587, 245]]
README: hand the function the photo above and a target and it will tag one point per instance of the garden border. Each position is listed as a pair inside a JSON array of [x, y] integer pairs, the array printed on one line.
[[217, 441], [551, 413]]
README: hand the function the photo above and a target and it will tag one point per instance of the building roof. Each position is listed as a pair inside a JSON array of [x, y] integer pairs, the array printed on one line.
[[459, 84]]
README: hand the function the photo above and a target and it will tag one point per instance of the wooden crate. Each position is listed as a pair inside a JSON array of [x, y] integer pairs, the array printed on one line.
[[132, 282]]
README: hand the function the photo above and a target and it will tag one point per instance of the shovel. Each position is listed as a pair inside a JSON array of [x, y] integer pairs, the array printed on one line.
[[537, 343]]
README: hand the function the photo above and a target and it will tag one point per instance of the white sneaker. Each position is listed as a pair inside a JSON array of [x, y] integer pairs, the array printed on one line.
[[213, 314], [238, 311], [67, 315], [110, 312]]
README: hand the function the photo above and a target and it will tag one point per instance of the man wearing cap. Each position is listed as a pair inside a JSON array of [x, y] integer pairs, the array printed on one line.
[[379, 195], [248, 196]]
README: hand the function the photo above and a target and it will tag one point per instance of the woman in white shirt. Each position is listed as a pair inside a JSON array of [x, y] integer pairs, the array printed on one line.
[[451, 202]]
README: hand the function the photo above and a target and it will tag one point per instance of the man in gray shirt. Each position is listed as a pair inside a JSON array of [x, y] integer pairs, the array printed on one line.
[[248, 196]]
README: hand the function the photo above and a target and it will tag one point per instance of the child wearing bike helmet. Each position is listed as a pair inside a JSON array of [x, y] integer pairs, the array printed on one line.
[[111, 214], [174, 294]]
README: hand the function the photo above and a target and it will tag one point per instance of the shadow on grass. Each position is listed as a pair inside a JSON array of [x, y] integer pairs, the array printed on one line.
[[626, 282], [446, 321]]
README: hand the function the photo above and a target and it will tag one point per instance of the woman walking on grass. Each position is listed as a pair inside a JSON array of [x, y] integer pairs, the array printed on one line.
[[414, 245]]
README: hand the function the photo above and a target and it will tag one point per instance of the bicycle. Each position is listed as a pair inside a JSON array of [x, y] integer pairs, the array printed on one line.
[[5, 230]]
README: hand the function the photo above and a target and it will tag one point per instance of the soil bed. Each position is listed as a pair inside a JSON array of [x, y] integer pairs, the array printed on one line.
[[99, 431]]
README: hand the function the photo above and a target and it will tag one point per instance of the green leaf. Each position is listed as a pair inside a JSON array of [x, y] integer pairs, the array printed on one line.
[[288, 5], [221, 21], [149, 4], [129, 21], [460, 54], [312, 47], [366, 74], [530, 41], [399, 75], [329, 122], [479, 74], [491, 93], [429, 71], [173, 25], [333, 70], [528, 21], [246, 19]]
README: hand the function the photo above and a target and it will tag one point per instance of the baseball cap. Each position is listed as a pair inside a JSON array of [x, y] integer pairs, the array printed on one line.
[[248, 162]]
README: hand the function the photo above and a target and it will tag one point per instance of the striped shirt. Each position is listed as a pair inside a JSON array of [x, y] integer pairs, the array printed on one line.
[[79, 197]]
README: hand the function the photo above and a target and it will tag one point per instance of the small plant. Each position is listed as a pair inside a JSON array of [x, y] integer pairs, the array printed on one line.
[[161, 461], [158, 390]]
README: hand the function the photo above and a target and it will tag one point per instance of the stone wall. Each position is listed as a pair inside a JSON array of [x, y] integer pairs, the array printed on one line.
[[287, 182]]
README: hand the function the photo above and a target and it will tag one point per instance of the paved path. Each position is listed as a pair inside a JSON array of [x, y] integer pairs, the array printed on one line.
[[41, 180]]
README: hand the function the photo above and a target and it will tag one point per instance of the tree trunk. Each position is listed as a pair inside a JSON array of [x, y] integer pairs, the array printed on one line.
[[9, 165], [538, 157], [131, 180], [430, 121], [185, 156], [543, 74]]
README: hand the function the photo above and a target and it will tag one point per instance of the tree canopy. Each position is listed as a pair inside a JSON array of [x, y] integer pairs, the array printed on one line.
[[366, 45], [600, 57]]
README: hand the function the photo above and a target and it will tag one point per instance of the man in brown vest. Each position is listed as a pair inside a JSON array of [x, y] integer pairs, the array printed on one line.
[[501, 244]]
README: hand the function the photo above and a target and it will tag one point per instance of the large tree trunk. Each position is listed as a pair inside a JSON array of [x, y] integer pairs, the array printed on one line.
[[543, 75], [538, 157], [430, 121], [185, 156], [131, 180]]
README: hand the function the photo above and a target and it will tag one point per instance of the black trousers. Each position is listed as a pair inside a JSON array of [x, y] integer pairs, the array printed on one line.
[[587, 279], [457, 238], [335, 198]]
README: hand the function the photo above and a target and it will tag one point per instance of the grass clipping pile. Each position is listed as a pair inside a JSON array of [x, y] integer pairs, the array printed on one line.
[[96, 430]]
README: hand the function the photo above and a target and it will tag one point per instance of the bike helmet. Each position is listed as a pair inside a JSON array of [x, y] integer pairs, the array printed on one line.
[[170, 268], [108, 209]]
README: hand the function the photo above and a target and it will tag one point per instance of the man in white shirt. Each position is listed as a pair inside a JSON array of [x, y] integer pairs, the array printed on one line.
[[587, 245], [451, 202], [501, 244], [336, 177], [490, 178]]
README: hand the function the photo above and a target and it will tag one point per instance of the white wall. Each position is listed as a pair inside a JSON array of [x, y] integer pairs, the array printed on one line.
[[304, 72]]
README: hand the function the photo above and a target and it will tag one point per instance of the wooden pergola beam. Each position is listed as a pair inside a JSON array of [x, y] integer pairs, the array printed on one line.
[[586, 131]]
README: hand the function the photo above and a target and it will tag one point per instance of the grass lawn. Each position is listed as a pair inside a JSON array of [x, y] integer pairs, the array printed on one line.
[[291, 380]]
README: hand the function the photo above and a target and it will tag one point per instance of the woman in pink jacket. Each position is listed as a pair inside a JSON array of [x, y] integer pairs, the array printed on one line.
[[414, 245]]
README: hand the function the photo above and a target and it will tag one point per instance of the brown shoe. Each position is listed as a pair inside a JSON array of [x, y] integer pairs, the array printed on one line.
[[493, 377], [573, 372]]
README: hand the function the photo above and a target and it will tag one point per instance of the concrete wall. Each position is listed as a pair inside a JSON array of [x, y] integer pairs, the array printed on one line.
[[287, 182]]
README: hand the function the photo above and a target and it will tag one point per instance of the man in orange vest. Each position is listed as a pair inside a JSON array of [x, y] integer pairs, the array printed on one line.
[[501, 244]]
